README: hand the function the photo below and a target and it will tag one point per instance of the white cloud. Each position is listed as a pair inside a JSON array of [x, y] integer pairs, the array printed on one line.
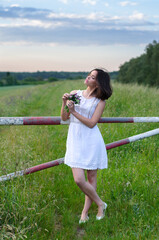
[[19, 23], [98, 17], [125, 3], [156, 16], [64, 1], [93, 16], [27, 43], [14, 5], [16, 43], [92, 2], [64, 15], [106, 4], [136, 16]]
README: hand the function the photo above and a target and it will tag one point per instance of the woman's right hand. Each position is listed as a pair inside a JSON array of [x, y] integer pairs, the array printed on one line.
[[65, 97]]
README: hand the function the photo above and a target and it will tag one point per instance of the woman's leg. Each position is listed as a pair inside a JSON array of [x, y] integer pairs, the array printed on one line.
[[87, 188], [92, 179]]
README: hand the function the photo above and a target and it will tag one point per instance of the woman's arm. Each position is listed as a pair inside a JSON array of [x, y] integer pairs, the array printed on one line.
[[89, 122], [64, 114]]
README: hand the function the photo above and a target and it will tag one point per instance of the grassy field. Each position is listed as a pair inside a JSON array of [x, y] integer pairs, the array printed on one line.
[[46, 205]]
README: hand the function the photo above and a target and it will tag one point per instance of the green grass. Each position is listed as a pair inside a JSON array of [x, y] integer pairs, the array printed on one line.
[[47, 204]]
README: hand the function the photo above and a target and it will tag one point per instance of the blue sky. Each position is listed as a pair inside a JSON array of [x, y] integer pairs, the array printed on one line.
[[67, 35]]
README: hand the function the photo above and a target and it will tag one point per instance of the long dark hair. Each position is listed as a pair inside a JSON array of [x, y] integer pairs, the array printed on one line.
[[104, 89]]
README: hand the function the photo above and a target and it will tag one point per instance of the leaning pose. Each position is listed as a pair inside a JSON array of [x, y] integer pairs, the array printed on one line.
[[85, 148]]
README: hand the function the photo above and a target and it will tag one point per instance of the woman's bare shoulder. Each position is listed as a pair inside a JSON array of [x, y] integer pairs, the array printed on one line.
[[102, 103]]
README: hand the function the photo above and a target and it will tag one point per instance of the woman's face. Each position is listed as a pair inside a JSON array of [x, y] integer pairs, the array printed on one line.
[[91, 79]]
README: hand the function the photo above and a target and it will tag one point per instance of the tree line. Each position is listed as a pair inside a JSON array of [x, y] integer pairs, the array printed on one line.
[[143, 69], [26, 78], [34, 78]]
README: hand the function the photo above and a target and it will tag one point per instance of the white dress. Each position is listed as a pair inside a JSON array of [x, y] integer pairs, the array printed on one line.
[[85, 147]]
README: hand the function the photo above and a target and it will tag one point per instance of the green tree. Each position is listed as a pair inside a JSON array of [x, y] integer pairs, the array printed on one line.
[[143, 69], [10, 80], [52, 79]]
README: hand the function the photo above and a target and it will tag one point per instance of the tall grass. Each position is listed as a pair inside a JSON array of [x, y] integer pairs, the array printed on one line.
[[47, 204]]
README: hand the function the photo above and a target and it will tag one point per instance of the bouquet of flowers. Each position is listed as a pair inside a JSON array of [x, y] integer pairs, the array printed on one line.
[[75, 98]]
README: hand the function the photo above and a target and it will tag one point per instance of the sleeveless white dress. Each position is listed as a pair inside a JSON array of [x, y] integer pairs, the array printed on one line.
[[85, 147]]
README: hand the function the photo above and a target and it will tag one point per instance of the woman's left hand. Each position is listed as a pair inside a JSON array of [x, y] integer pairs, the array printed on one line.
[[70, 105]]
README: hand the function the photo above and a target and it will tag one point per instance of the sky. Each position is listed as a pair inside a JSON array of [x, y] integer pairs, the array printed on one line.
[[79, 35]]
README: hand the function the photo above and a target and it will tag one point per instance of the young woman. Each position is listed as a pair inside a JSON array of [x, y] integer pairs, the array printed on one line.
[[85, 146]]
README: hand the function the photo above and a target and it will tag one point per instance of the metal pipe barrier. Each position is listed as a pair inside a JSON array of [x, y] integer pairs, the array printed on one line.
[[58, 121], [61, 160]]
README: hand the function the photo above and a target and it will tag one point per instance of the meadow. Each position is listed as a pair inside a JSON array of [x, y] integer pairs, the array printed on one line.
[[46, 205]]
